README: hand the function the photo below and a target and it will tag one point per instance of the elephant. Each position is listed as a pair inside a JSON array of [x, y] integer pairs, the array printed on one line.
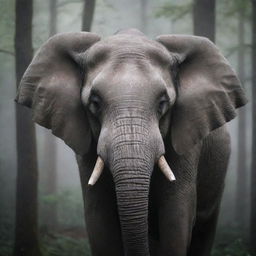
[[146, 120]]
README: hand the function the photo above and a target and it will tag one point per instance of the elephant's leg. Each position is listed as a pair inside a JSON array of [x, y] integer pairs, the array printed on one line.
[[204, 232], [101, 215], [176, 204], [211, 174], [176, 219]]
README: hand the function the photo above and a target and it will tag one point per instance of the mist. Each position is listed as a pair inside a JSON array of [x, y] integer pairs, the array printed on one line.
[[61, 226]]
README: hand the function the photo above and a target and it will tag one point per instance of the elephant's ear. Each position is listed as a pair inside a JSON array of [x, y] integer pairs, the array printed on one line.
[[51, 86], [208, 90]]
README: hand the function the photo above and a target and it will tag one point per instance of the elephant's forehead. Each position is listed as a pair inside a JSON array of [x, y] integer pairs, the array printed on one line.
[[128, 65], [130, 79], [128, 47], [129, 74]]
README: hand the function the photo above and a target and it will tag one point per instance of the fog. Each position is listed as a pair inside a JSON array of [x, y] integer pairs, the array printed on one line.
[[109, 17]]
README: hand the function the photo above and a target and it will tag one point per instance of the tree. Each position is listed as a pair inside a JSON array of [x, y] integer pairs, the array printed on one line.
[[204, 18], [53, 17], [241, 182], [88, 12], [239, 10], [143, 15], [26, 234], [253, 164], [50, 170]]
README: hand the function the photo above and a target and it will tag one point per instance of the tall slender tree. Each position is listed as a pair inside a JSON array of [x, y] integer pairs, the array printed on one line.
[[143, 15], [52, 17], [26, 233], [204, 18], [239, 10], [204, 25], [253, 164], [50, 170], [241, 182], [88, 13]]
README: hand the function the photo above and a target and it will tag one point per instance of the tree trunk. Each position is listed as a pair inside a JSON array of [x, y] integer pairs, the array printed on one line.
[[204, 18], [50, 214], [143, 15], [26, 230], [53, 17], [241, 186], [88, 12], [253, 166]]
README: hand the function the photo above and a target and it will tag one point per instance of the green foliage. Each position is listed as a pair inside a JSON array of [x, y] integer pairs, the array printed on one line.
[[6, 235], [235, 248], [69, 206], [230, 242], [50, 199], [233, 7], [71, 242], [59, 245], [174, 11]]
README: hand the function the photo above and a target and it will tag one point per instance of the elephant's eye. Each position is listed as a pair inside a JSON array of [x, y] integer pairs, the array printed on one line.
[[163, 105], [94, 103]]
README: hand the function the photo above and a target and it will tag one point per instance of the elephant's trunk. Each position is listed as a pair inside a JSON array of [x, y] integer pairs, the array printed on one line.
[[132, 199], [132, 162]]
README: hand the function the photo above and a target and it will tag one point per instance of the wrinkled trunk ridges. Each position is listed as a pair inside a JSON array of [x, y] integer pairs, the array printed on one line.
[[132, 163], [132, 199]]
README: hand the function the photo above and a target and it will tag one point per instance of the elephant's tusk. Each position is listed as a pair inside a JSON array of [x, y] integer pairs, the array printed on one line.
[[165, 168], [96, 171]]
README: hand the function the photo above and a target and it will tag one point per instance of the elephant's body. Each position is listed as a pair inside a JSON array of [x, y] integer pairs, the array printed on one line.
[[187, 230], [139, 107]]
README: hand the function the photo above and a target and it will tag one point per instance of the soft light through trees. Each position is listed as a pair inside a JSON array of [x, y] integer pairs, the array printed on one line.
[[173, 16], [253, 164]]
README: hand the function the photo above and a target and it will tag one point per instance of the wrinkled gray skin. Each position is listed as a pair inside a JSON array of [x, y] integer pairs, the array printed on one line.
[[130, 100]]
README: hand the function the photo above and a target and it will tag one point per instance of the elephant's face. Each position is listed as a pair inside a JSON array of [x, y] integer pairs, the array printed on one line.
[[127, 91], [132, 95]]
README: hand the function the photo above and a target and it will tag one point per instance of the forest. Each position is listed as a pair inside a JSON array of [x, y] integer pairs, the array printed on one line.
[[41, 204]]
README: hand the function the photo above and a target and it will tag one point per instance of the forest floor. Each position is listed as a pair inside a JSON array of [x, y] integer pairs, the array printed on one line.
[[74, 242], [230, 242], [66, 242]]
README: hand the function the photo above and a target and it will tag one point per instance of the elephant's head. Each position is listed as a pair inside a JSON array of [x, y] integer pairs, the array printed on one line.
[[131, 96]]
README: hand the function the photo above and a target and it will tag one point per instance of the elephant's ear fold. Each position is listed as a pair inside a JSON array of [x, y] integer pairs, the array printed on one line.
[[208, 90], [51, 86]]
